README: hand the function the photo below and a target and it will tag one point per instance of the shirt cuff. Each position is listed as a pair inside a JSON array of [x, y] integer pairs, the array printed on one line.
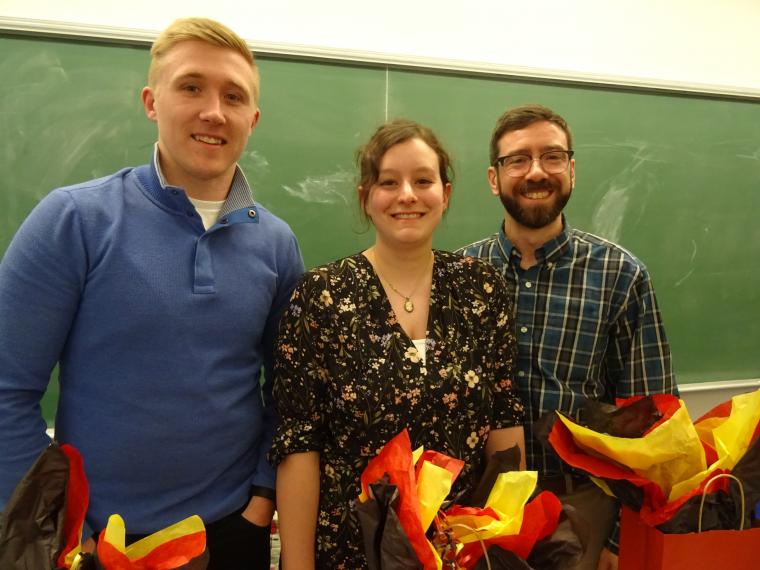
[[265, 492]]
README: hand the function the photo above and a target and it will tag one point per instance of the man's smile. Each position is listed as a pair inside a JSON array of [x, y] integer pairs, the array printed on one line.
[[208, 139]]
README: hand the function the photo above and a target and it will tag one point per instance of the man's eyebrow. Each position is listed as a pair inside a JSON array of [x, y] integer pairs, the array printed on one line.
[[527, 152], [198, 75], [189, 75]]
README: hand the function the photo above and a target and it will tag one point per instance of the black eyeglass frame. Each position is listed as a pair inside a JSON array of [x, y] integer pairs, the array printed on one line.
[[500, 160]]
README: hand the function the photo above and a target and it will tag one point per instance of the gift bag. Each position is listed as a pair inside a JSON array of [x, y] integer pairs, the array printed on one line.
[[42, 522], [643, 547]]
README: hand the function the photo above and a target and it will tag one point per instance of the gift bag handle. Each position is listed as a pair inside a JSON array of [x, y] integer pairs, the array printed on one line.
[[477, 534], [704, 494]]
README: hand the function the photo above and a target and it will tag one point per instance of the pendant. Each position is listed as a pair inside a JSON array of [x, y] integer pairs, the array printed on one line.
[[408, 305]]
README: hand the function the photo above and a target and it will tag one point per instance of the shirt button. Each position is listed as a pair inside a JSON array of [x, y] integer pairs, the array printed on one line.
[[251, 213], [549, 265], [224, 221], [523, 329], [528, 284], [521, 373], [175, 192]]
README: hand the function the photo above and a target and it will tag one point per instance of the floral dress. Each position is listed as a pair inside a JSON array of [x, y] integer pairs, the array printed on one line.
[[348, 379]]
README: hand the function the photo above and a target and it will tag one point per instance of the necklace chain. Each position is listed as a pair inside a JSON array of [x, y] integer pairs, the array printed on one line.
[[408, 303]]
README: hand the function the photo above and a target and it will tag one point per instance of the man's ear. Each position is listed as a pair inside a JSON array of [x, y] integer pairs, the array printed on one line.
[[255, 120], [493, 181], [572, 173], [149, 103]]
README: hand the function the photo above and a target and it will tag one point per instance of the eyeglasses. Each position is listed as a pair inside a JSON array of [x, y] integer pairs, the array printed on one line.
[[551, 162]]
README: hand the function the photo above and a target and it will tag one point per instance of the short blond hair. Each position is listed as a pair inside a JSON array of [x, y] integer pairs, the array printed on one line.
[[204, 30]]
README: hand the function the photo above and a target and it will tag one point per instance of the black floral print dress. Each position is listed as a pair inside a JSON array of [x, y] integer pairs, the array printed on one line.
[[348, 379]]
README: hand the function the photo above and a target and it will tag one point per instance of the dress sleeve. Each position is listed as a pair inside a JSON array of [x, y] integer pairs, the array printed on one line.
[[300, 370], [508, 407], [638, 359]]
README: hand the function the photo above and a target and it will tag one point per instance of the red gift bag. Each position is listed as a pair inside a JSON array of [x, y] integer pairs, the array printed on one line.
[[643, 547]]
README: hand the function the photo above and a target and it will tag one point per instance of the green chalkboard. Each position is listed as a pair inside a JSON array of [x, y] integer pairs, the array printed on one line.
[[674, 178]]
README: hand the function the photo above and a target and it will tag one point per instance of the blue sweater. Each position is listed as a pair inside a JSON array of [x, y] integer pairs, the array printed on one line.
[[161, 329]]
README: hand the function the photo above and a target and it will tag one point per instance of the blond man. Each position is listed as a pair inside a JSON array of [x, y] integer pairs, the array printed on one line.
[[158, 291]]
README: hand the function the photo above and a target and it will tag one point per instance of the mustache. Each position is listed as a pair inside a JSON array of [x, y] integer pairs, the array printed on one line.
[[535, 185]]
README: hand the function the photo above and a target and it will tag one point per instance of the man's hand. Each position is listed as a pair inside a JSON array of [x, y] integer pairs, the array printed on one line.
[[607, 560], [260, 511]]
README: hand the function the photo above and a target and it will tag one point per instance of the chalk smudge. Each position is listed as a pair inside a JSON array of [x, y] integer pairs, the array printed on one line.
[[691, 261], [255, 162], [632, 179], [754, 156], [609, 212], [329, 189]]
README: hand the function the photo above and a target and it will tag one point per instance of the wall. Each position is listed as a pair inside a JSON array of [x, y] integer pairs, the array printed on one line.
[[681, 41]]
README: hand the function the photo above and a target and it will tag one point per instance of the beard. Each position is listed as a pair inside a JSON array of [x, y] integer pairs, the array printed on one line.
[[535, 216]]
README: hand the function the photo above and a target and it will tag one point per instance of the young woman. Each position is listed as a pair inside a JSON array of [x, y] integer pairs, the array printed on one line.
[[397, 336]]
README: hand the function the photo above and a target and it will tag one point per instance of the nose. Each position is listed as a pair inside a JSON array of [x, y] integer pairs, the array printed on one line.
[[212, 110], [536, 172], [406, 192]]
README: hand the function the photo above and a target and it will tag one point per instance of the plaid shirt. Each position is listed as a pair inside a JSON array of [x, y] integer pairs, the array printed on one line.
[[588, 327]]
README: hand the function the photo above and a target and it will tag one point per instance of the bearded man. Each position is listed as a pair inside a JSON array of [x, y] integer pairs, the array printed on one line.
[[588, 325]]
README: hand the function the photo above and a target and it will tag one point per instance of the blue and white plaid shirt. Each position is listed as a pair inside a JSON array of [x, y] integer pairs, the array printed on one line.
[[588, 326]]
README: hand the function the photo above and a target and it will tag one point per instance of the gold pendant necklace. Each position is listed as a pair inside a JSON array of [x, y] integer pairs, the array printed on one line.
[[408, 303]]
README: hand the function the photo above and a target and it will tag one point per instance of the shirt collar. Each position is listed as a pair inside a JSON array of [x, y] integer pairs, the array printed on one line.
[[239, 196], [549, 251]]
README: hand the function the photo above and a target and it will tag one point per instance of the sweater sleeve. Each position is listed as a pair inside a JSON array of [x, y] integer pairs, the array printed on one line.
[[290, 270], [41, 279]]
